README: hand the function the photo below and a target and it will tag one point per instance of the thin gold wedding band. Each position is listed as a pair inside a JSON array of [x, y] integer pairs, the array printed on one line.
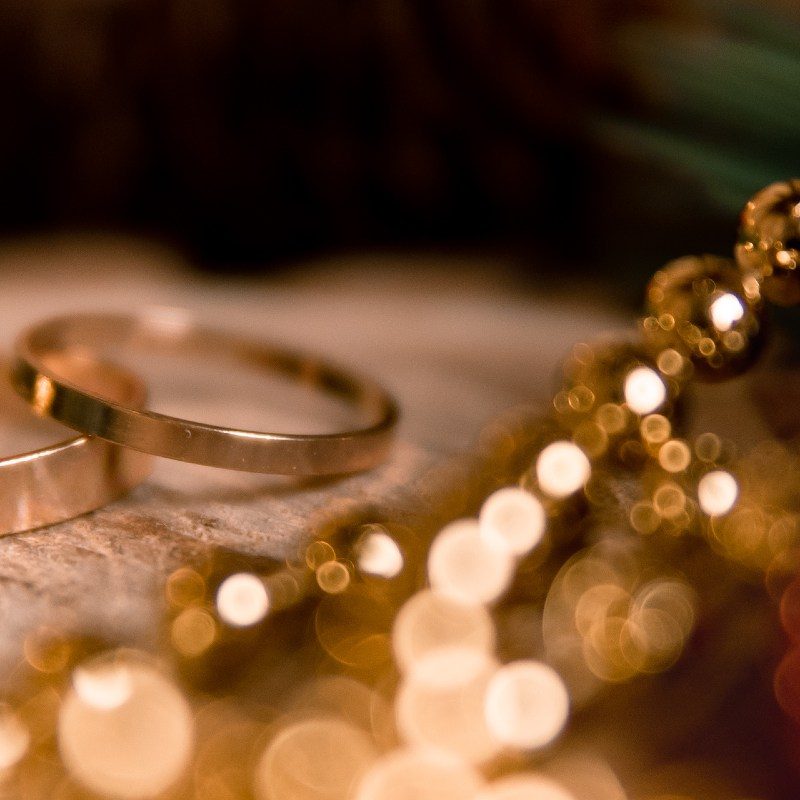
[[39, 380], [74, 476]]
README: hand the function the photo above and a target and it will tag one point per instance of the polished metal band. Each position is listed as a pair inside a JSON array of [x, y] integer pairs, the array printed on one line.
[[79, 474], [38, 378]]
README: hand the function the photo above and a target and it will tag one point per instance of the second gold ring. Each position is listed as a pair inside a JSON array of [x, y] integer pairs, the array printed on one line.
[[38, 378]]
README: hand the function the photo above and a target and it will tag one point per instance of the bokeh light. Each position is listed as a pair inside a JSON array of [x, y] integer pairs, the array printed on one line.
[[468, 567], [725, 311], [708, 447], [587, 776], [655, 429], [525, 786], [420, 774], [15, 738], [440, 704], [185, 587], [429, 621], [333, 577], [717, 492], [47, 650], [669, 500], [242, 600], [319, 552], [514, 518], [193, 631], [562, 468], [315, 759], [671, 362], [591, 437], [379, 554], [353, 626], [702, 307], [644, 518], [674, 455], [124, 729], [644, 390], [345, 698], [610, 617], [612, 418], [527, 705], [106, 684]]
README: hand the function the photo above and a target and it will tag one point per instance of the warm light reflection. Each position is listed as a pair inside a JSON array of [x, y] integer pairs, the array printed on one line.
[[318, 553], [644, 518], [46, 650], [449, 667], [136, 748], [674, 455], [40, 713], [185, 587], [655, 429], [669, 500], [717, 492], [333, 577], [316, 759], [379, 554], [588, 777], [726, 311], [591, 437], [417, 774], [284, 589], [467, 567], [672, 596], [345, 698], [513, 518], [525, 786], [353, 626], [104, 685], [705, 308], [242, 600], [708, 447], [429, 621], [527, 705], [604, 622], [612, 418], [650, 641], [44, 393], [193, 631], [562, 469], [600, 601], [15, 739], [644, 390], [440, 704], [671, 362]]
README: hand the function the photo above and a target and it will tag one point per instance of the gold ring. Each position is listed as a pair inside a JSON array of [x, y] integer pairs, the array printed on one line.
[[76, 475], [38, 377]]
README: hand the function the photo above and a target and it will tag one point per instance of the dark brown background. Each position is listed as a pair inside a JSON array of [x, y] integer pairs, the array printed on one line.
[[253, 132]]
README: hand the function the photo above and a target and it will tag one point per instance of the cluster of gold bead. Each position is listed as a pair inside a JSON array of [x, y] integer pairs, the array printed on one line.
[[460, 658]]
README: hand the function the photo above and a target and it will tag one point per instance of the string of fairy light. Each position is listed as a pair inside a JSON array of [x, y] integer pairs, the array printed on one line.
[[459, 666]]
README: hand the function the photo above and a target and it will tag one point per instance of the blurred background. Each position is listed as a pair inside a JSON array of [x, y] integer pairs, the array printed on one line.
[[251, 134], [563, 150]]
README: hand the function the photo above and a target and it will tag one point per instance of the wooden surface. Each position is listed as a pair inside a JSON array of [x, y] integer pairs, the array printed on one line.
[[454, 341]]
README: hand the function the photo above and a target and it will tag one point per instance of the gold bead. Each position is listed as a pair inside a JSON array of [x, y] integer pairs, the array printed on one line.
[[701, 307], [769, 241]]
